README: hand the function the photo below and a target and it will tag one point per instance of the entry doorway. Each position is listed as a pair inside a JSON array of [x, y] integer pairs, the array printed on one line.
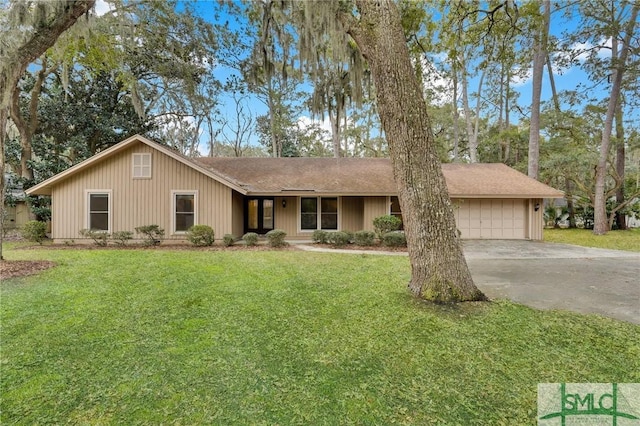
[[259, 217]]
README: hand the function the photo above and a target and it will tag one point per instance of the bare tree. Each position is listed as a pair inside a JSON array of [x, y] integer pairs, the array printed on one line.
[[237, 131]]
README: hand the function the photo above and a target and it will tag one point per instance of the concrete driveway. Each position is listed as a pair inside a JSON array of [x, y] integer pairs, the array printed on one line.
[[551, 276], [558, 276]]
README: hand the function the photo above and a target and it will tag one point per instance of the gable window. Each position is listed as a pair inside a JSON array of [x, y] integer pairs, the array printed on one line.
[[99, 210], [142, 166], [319, 213], [184, 210]]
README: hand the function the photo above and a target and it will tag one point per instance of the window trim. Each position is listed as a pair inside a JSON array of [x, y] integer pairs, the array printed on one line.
[[175, 192], [142, 167], [319, 214], [87, 208]]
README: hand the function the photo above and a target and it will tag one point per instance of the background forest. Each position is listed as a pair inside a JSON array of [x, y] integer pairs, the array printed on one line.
[[240, 79]]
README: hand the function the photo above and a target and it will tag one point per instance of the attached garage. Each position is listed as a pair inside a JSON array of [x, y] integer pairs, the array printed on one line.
[[492, 219]]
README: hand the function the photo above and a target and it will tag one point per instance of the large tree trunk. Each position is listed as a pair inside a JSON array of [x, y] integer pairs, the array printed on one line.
[[472, 140], [539, 57], [334, 119], [600, 224], [456, 117], [439, 271], [621, 219], [27, 126]]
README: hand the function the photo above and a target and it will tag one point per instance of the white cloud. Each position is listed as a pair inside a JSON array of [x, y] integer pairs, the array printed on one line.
[[305, 122], [578, 53], [437, 85], [102, 7], [522, 77]]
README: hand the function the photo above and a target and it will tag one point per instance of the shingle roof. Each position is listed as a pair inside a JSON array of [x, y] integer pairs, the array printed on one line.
[[367, 176], [336, 176]]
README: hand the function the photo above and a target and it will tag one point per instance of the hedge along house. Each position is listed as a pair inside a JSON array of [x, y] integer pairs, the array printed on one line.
[[140, 182]]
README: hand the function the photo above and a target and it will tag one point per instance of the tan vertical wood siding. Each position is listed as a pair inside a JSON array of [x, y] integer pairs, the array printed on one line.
[[286, 218], [137, 202], [536, 219], [374, 207], [238, 214], [352, 214]]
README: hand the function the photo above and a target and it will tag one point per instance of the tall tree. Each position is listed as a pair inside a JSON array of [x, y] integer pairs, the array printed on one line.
[[268, 71], [439, 270], [31, 27], [539, 57], [601, 225]]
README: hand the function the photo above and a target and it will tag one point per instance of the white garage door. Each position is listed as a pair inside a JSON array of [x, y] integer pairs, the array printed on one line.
[[491, 219]]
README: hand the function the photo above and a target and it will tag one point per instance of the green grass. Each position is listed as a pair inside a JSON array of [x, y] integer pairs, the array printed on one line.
[[278, 337], [618, 240]]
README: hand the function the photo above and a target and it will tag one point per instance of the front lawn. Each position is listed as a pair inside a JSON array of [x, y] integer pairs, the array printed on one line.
[[617, 240], [278, 337]]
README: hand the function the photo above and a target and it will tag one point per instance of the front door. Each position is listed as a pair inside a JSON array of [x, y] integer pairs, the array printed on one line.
[[259, 217]]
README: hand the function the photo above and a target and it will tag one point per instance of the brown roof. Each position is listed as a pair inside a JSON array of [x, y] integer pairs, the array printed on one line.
[[336, 176], [367, 176], [44, 187]]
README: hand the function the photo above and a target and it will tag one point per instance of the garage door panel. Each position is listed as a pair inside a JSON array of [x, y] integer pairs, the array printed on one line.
[[492, 219]]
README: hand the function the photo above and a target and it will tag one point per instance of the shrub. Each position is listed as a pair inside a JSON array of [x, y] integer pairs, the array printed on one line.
[[34, 231], [98, 237], [201, 235], [120, 238], [319, 236], [275, 238], [228, 240], [394, 239], [250, 238], [386, 223], [152, 234], [339, 239], [364, 238]]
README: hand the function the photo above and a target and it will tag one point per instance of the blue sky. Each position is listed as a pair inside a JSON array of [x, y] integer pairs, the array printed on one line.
[[565, 79]]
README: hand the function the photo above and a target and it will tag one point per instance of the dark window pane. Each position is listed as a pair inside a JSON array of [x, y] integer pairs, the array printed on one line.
[[395, 206], [329, 221], [329, 205], [184, 221], [309, 221], [99, 202], [99, 221], [308, 205], [184, 203]]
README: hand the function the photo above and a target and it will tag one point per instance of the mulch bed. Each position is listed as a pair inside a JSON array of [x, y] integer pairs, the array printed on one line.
[[21, 268]]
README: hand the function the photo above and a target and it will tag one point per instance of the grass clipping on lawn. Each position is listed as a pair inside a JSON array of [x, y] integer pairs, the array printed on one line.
[[279, 337]]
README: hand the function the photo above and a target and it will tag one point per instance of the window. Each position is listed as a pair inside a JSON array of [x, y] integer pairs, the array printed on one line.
[[98, 210], [142, 166], [319, 213], [184, 210], [309, 213], [394, 209]]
